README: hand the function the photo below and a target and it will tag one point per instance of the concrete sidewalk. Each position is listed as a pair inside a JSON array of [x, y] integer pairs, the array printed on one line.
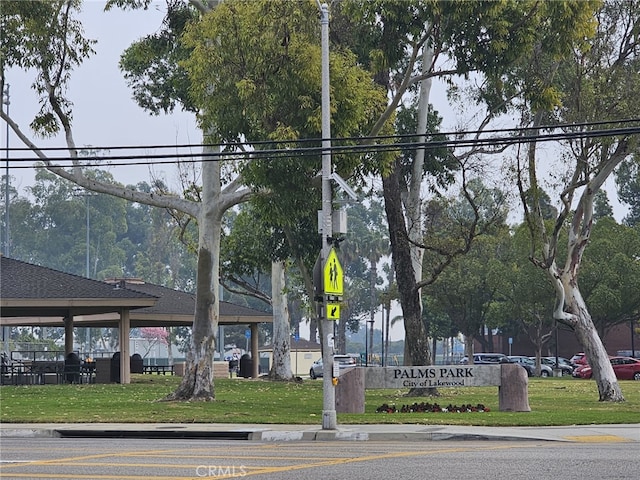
[[284, 433]]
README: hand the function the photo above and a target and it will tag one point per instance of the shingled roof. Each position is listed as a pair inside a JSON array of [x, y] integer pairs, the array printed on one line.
[[48, 295], [175, 307], [27, 290]]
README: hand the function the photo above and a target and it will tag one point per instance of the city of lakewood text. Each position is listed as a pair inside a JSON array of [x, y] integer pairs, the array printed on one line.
[[426, 377]]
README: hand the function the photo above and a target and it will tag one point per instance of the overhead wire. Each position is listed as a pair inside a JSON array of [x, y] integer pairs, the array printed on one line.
[[342, 145]]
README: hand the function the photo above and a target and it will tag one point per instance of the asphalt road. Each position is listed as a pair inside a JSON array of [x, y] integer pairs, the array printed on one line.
[[142, 459]]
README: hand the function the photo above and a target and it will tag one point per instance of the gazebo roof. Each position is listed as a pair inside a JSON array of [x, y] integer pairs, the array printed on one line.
[[32, 290], [35, 295]]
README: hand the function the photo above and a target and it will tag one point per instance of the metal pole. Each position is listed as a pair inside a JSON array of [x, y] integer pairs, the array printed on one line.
[[88, 267], [86, 197], [6, 332], [329, 419], [7, 102]]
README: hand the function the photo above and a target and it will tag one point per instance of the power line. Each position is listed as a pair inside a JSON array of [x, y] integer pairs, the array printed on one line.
[[341, 139], [364, 145]]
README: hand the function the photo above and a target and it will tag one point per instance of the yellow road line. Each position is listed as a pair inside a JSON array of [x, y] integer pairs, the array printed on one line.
[[597, 439], [252, 470]]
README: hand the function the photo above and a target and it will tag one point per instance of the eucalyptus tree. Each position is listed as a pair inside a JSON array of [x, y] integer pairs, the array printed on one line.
[[600, 84], [250, 248], [406, 45], [58, 220], [46, 38], [266, 60]]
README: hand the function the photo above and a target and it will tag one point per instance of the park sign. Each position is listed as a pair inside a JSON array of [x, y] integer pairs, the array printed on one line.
[[510, 378], [433, 376]]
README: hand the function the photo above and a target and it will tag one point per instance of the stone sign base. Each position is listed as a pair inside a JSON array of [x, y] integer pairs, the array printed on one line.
[[350, 391], [511, 379]]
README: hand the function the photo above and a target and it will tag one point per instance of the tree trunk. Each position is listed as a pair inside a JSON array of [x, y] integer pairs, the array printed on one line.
[[416, 341], [587, 335], [313, 330], [197, 383], [170, 338], [342, 335], [281, 366], [468, 347]]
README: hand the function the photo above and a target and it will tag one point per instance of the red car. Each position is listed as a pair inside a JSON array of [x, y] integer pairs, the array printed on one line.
[[578, 359], [625, 368]]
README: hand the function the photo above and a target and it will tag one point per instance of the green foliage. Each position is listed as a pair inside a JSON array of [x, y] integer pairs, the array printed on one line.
[[151, 65], [255, 70], [125, 239], [485, 37], [610, 274], [466, 291]]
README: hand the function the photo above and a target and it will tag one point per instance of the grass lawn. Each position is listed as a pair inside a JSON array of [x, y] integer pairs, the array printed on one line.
[[553, 401]]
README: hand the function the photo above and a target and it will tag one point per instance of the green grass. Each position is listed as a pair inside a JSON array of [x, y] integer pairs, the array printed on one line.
[[561, 401]]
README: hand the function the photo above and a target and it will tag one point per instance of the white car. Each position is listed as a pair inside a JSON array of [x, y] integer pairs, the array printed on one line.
[[344, 362]]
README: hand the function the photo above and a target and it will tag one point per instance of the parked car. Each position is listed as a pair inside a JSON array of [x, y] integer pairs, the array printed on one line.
[[563, 364], [578, 359], [625, 368], [486, 359], [530, 366], [343, 361]]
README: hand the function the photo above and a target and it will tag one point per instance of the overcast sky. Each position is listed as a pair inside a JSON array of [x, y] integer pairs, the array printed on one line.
[[104, 113]]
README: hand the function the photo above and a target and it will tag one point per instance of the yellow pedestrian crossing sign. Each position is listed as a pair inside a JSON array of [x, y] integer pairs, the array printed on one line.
[[333, 275], [333, 311]]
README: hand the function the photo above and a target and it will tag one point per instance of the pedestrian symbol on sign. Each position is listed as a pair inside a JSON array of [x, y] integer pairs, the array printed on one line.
[[333, 275]]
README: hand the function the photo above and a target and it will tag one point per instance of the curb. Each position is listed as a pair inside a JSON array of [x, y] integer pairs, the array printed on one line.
[[258, 435]]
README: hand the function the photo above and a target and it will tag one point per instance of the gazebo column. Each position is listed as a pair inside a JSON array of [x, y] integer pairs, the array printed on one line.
[[125, 354], [255, 355], [68, 334]]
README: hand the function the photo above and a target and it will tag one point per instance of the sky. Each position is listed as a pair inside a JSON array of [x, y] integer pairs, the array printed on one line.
[[104, 112]]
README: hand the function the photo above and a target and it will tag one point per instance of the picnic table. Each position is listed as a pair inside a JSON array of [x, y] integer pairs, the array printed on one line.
[[158, 369]]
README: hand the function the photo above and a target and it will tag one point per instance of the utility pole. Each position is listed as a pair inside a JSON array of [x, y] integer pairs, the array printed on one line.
[[329, 417], [6, 332], [7, 238]]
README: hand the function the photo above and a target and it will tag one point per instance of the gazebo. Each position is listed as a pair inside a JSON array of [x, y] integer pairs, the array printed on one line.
[[31, 295]]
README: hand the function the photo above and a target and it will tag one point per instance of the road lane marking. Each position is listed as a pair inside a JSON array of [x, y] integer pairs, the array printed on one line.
[[597, 439]]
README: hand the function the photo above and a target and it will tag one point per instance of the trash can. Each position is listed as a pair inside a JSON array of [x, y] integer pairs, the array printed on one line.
[[103, 370], [115, 368], [137, 365], [72, 368], [246, 366]]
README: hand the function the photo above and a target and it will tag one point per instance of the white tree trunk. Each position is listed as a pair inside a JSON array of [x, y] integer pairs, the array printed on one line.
[[197, 383], [281, 366], [414, 199], [587, 335]]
